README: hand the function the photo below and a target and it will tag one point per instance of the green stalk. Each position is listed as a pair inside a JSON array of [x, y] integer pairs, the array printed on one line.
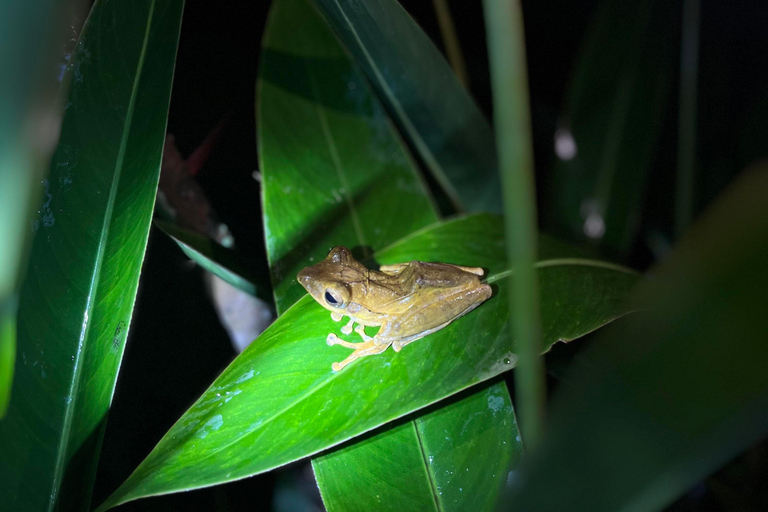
[[451, 41], [686, 142], [509, 80]]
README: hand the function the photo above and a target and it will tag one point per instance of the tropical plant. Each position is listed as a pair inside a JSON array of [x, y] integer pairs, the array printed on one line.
[[366, 139]]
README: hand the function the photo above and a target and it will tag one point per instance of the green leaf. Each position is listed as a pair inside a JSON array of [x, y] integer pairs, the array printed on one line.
[[454, 457], [614, 114], [334, 171], [218, 260], [76, 302], [667, 396], [279, 401], [429, 104], [455, 480], [389, 213], [31, 38]]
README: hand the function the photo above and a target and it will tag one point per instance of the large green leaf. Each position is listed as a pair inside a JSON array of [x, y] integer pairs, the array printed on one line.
[[482, 424], [334, 171], [670, 394], [613, 115], [31, 39], [279, 401], [455, 457], [420, 90], [77, 299], [387, 214]]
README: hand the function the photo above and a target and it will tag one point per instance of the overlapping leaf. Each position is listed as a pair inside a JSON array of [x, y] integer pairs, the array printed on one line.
[[77, 299], [426, 100], [217, 259], [674, 392], [334, 171], [279, 401], [384, 213]]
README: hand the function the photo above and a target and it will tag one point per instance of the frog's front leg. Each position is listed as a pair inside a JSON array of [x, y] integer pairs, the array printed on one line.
[[347, 329], [366, 348]]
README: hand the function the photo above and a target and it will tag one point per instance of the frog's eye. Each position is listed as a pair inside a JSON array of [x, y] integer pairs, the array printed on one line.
[[333, 298]]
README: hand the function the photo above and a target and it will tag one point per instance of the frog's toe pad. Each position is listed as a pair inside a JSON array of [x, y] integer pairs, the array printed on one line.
[[397, 347], [347, 329], [337, 367], [331, 339]]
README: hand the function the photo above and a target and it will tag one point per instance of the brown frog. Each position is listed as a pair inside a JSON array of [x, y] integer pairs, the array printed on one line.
[[408, 300]]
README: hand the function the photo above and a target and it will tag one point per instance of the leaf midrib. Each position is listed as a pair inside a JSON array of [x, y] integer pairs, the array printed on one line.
[[311, 390], [95, 276], [425, 150]]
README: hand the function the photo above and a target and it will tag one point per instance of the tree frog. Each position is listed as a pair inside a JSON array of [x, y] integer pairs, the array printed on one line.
[[408, 300]]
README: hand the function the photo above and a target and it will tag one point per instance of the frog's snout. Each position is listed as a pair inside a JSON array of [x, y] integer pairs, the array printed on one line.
[[304, 278]]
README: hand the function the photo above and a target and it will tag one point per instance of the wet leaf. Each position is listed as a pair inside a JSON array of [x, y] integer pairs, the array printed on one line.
[[77, 299], [279, 401]]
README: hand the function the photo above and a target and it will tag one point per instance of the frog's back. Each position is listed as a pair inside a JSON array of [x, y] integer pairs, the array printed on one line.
[[426, 274]]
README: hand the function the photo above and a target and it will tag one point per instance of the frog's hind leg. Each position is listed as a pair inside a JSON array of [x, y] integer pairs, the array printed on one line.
[[367, 348]]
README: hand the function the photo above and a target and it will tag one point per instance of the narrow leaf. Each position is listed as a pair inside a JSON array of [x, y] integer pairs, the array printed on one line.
[[429, 104], [667, 396], [77, 299], [218, 260]]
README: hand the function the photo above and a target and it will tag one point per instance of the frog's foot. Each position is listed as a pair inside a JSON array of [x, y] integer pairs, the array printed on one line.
[[336, 317], [360, 329], [347, 329], [367, 348], [332, 339]]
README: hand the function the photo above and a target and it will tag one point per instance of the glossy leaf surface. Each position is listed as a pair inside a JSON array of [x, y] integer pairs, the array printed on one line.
[[666, 396], [77, 299], [429, 104], [279, 401], [387, 209], [217, 259], [481, 423], [454, 457], [611, 125], [334, 170]]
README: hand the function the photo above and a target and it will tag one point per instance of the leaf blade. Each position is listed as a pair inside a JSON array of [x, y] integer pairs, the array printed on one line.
[[416, 83], [77, 299], [279, 400]]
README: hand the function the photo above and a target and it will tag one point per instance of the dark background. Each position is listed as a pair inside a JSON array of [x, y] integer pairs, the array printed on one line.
[[177, 346]]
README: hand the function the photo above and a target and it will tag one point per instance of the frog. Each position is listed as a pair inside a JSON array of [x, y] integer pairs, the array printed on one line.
[[407, 301]]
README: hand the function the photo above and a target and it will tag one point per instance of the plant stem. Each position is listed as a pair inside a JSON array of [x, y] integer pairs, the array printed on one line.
[[686, 145], [451, 41], [509, 80]]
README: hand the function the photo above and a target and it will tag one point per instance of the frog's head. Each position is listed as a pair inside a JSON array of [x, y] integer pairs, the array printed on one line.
[[330, 281]]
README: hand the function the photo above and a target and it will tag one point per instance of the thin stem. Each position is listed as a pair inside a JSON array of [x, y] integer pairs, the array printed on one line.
[[451, 41], [686, 145], [509, 80]]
